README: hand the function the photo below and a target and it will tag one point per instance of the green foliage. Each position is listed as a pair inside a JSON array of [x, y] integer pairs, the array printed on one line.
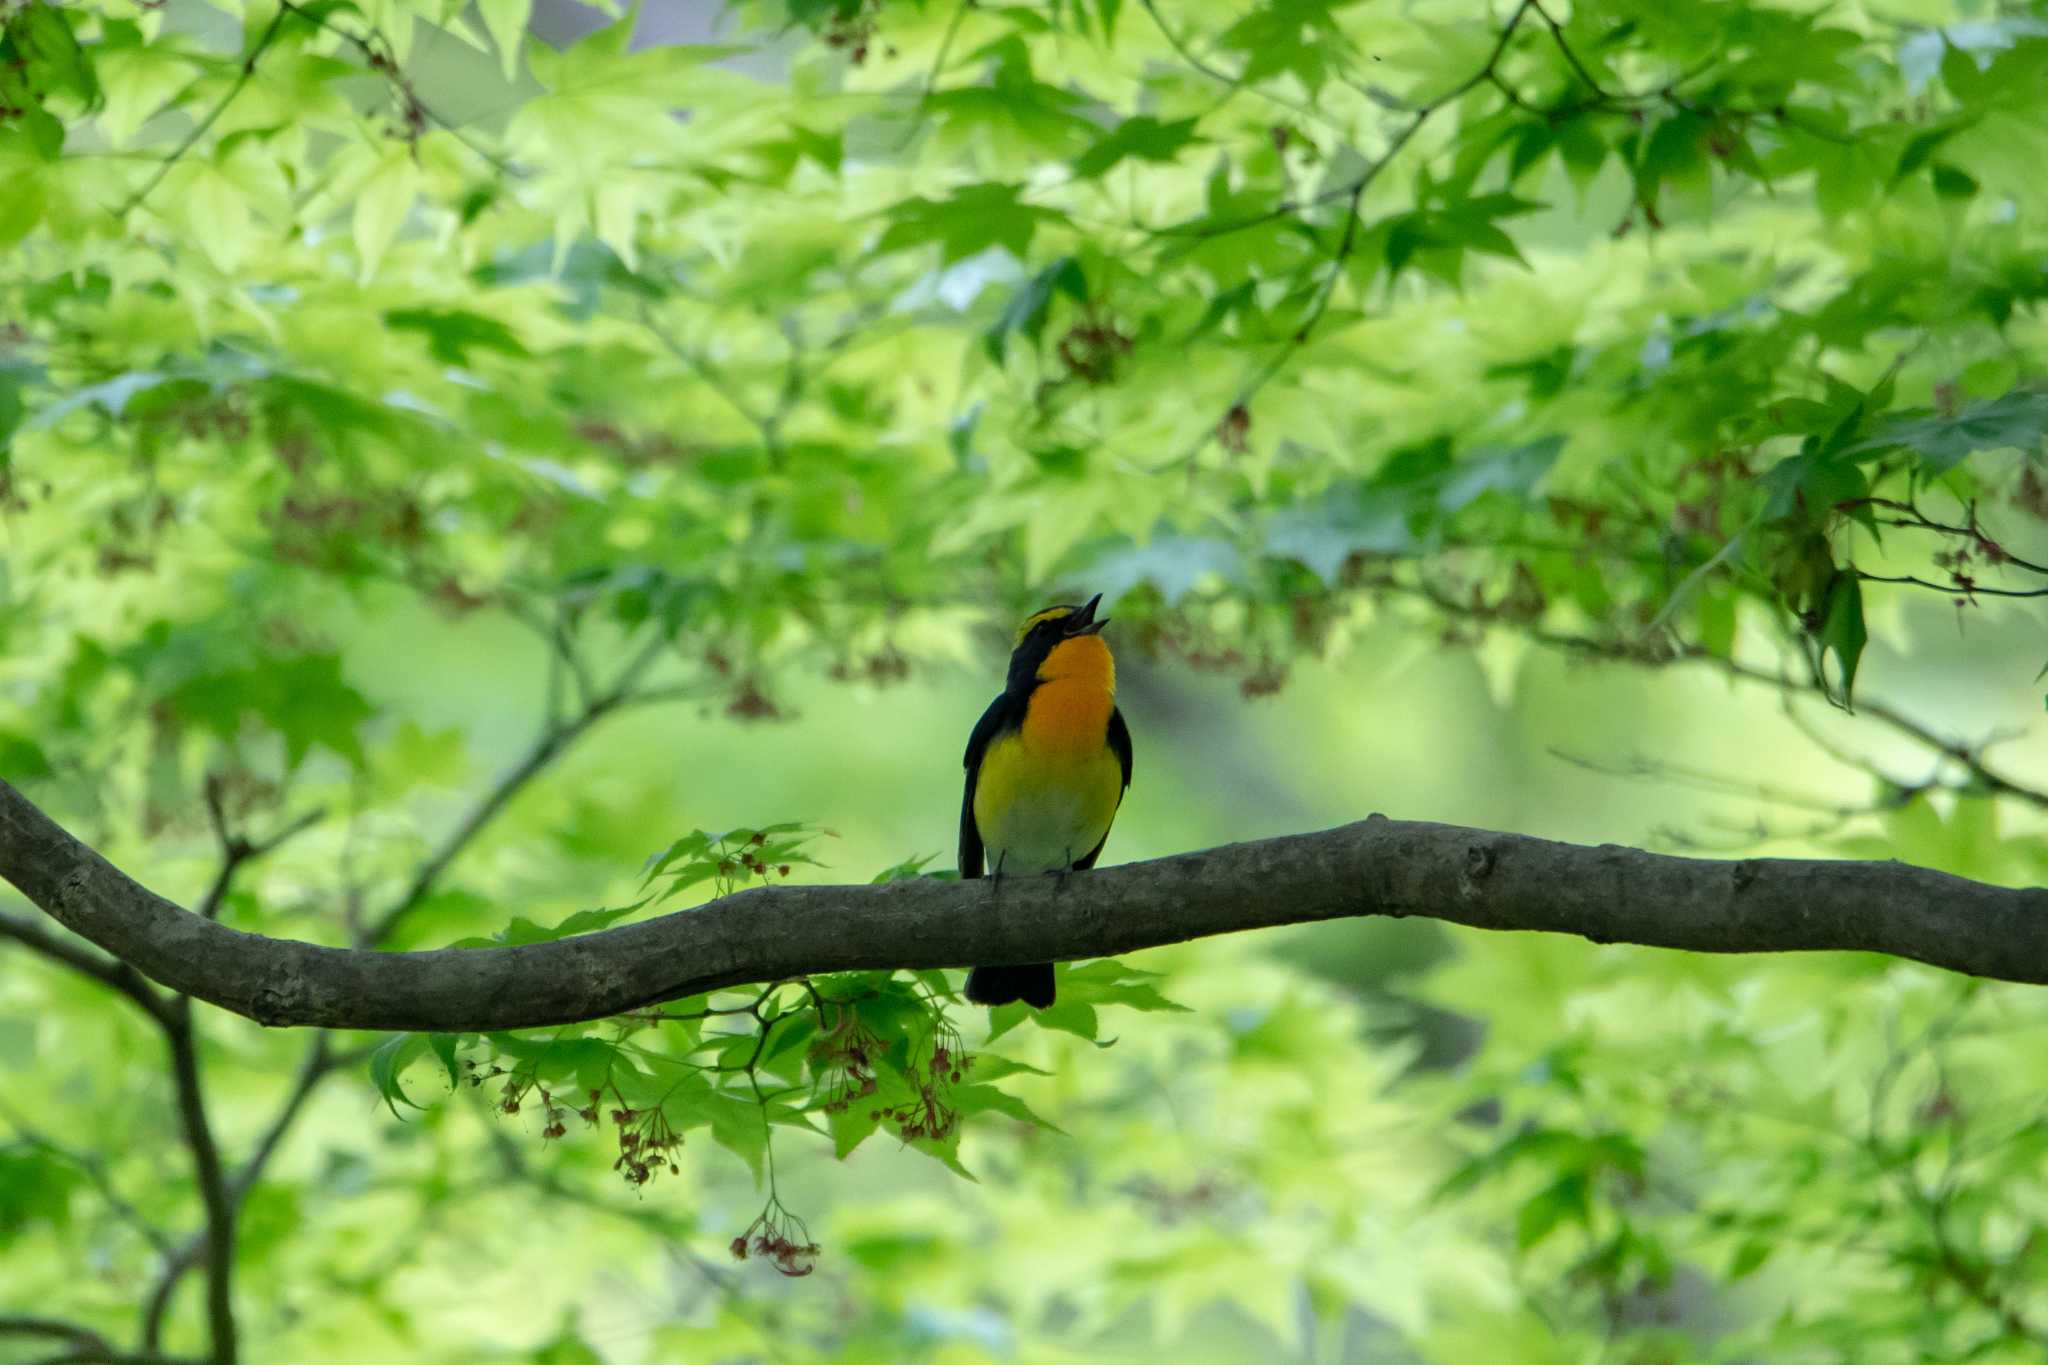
[[730, 859], [392, 402]]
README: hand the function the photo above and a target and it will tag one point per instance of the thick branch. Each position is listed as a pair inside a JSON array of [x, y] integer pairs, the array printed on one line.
[[1377, 867]]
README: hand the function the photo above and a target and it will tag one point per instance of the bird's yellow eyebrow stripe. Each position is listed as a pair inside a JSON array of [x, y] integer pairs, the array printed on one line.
[[1049, 614]]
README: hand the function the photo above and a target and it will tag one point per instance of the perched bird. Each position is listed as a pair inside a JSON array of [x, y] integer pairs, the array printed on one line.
[[1047, 765]]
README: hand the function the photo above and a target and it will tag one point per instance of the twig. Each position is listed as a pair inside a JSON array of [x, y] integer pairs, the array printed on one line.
[[27, 1325], [95, 1170], [1353, 193], [1963, 589], [1236, 85], [109, 972], [1984, 776], [1718, 784], [320, 1062], [931, 77], [766, 423], [1571, 58], [1911, 517], [380, 58], [211, 116], [236, 848], [552, 740]]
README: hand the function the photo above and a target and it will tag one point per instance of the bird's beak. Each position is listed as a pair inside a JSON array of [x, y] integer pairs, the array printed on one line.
[[1083, 622]]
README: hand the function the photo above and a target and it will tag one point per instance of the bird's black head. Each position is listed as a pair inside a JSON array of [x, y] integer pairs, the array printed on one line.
[[1043, 631]]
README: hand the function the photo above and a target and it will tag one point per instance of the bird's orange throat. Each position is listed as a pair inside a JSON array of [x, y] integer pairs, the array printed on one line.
[[1083, 660], [1076, 692]]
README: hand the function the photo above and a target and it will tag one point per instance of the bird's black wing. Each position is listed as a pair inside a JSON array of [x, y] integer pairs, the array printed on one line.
[[1120, 741], [1003, 714], [1119, 744]]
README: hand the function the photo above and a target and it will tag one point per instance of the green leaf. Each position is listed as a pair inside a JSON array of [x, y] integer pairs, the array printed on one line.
[[53, 62], [852, 1126], [382, 206], [1922, 148], [1109, 982], [303, 698], [1027, 309], [1952, 182], [15, 378], [1143, 138], [1566, 1200], [971, 220], [45, 133], [523, 931], [910, 869], [507, 20], [35, 1188], [1174, 564], [452, 333], [1841, 631], [2016, 420], [444, 1046], [387, 1069], [1806, 489], [1582, 150], [738, 1125], [21, 758], [987, 1099], [1749, 1257], [1066, 1016]]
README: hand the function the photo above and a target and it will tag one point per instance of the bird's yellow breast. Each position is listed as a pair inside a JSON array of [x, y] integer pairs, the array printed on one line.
[[1048, 790]]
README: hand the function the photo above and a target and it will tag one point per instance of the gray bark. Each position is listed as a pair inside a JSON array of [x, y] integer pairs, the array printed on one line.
[[1378, 866]]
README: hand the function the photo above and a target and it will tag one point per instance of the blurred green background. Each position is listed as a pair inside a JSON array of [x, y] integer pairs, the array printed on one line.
[[1490, 418]]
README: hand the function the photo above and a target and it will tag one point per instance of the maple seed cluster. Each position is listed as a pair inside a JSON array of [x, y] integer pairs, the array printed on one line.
[[515, 1089], [747, 859], [647, 1143], [928, 1115], [1234, 431], [555, 1114], [843, 1061], [780, 1238], [1092, 350]]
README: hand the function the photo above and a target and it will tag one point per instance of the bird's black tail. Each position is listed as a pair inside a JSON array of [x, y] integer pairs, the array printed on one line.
[[1001, 985]]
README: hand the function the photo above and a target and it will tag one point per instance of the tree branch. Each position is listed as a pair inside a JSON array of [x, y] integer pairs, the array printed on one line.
[[114, 975], [1658, 652], [237, 848], [25, 1325], [321, 1060], [85, 1344], [206, 120], [1478, 878], [108, 1355], [94, 1169], [213, 1191]]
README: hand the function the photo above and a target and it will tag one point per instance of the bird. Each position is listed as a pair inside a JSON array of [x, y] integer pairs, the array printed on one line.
[[1047, 767]]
